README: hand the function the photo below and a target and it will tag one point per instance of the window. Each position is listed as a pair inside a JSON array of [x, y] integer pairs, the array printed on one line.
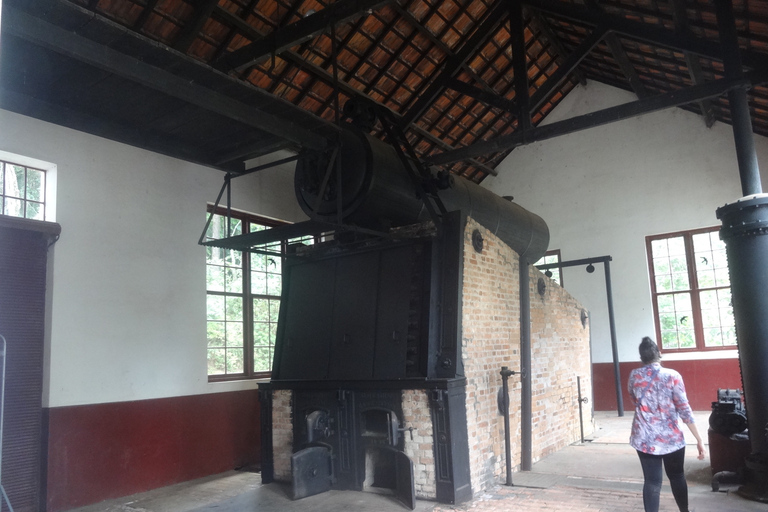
[[691, 290], [22, 191], [243, 299], [552, 256]]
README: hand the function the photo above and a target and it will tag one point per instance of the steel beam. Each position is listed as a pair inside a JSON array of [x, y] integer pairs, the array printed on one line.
[[643, 31], [190, 29], [454, 62], [680, 16], [549, 87], [546, 29], [519, 65], [51, 37], [296, 33], [746, 153], [601, 117], [621, 58], [491, 98]]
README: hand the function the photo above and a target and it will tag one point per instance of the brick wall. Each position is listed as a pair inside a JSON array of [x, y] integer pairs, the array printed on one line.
[[282, 434], [491, 339], [416, 414]]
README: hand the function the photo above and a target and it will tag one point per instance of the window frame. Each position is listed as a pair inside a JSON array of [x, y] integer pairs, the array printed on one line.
[[694, 290], [25, 200], [247, 296], [555, 252]]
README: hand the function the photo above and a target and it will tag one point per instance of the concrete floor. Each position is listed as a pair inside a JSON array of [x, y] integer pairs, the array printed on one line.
[[601, 474]]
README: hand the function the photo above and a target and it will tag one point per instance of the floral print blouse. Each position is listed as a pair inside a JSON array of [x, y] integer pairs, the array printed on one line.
[[659, 397]]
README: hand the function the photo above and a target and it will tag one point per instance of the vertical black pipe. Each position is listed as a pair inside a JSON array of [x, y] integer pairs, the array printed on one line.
[[526, 418], [614, 343], [746, 240], [505, 373], [581, 414], [744, 233], [746, 155]]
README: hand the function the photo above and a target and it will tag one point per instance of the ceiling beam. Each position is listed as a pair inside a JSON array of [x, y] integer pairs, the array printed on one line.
[[591, 120], [296, 33], [453, 63], [680, 16], [491, 98], [407, 16], [627, 69], [553, 83], [545, 28], [193, 27], [644, 31], [69, 43], [519, 64], [325, 76], [149, 8]]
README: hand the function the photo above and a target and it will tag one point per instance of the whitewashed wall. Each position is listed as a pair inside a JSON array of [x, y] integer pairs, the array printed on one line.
[[602, 191], [128, 282]]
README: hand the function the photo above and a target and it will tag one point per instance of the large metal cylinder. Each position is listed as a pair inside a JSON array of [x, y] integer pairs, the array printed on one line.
[[745, 233], [378, 193]]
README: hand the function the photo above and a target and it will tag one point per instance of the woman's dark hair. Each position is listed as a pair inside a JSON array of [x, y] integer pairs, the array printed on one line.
[[649, 351]]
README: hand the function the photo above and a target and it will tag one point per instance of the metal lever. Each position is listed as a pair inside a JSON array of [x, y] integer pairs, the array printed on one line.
[[409, 429]]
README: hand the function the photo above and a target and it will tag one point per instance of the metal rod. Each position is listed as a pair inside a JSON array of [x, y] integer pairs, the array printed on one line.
[[614, 344], [575, 263], [505, 373], [267, 166], [749, 171], [228, 181], [210, 217], [526, 419], [581, 414]]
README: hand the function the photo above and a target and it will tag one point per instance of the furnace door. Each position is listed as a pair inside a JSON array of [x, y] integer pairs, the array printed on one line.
[[405, 490]]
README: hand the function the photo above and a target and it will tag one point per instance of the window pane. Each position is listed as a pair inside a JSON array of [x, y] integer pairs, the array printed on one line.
[[35, 211], [234, 334], [216, 334], [13, 207], [234, 309], [274, 284], [717, 318], [261, 333], [2, 178], [262, 359], [234, 280], [711, 261], [35, 185], [258, 283], [663, 283], [235, 362], [261, 310], [215, 278], [216, 307], [676, 321], [216, 361], [14, 181]]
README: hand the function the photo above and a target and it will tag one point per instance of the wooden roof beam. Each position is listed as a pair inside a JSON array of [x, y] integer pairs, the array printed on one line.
[[553, 83], [620, 56], [193, 27], [454, 62], [692, 61], [644, 32], [73, 45], [546, 29], [296, 33], [601, 117]]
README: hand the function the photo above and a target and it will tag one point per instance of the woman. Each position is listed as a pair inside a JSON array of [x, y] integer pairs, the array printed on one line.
[[659, 397]]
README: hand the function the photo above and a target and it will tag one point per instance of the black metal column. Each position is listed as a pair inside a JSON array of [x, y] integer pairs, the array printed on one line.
[[526, 412], [744, 230], [749, 171], [614, 342]]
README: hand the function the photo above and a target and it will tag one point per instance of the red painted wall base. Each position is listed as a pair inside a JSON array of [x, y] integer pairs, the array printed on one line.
[[702, 377], [103, 451]]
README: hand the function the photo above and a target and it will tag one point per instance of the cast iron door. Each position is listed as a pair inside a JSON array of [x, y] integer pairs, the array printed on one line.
[[311, 471], [405, 490]]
